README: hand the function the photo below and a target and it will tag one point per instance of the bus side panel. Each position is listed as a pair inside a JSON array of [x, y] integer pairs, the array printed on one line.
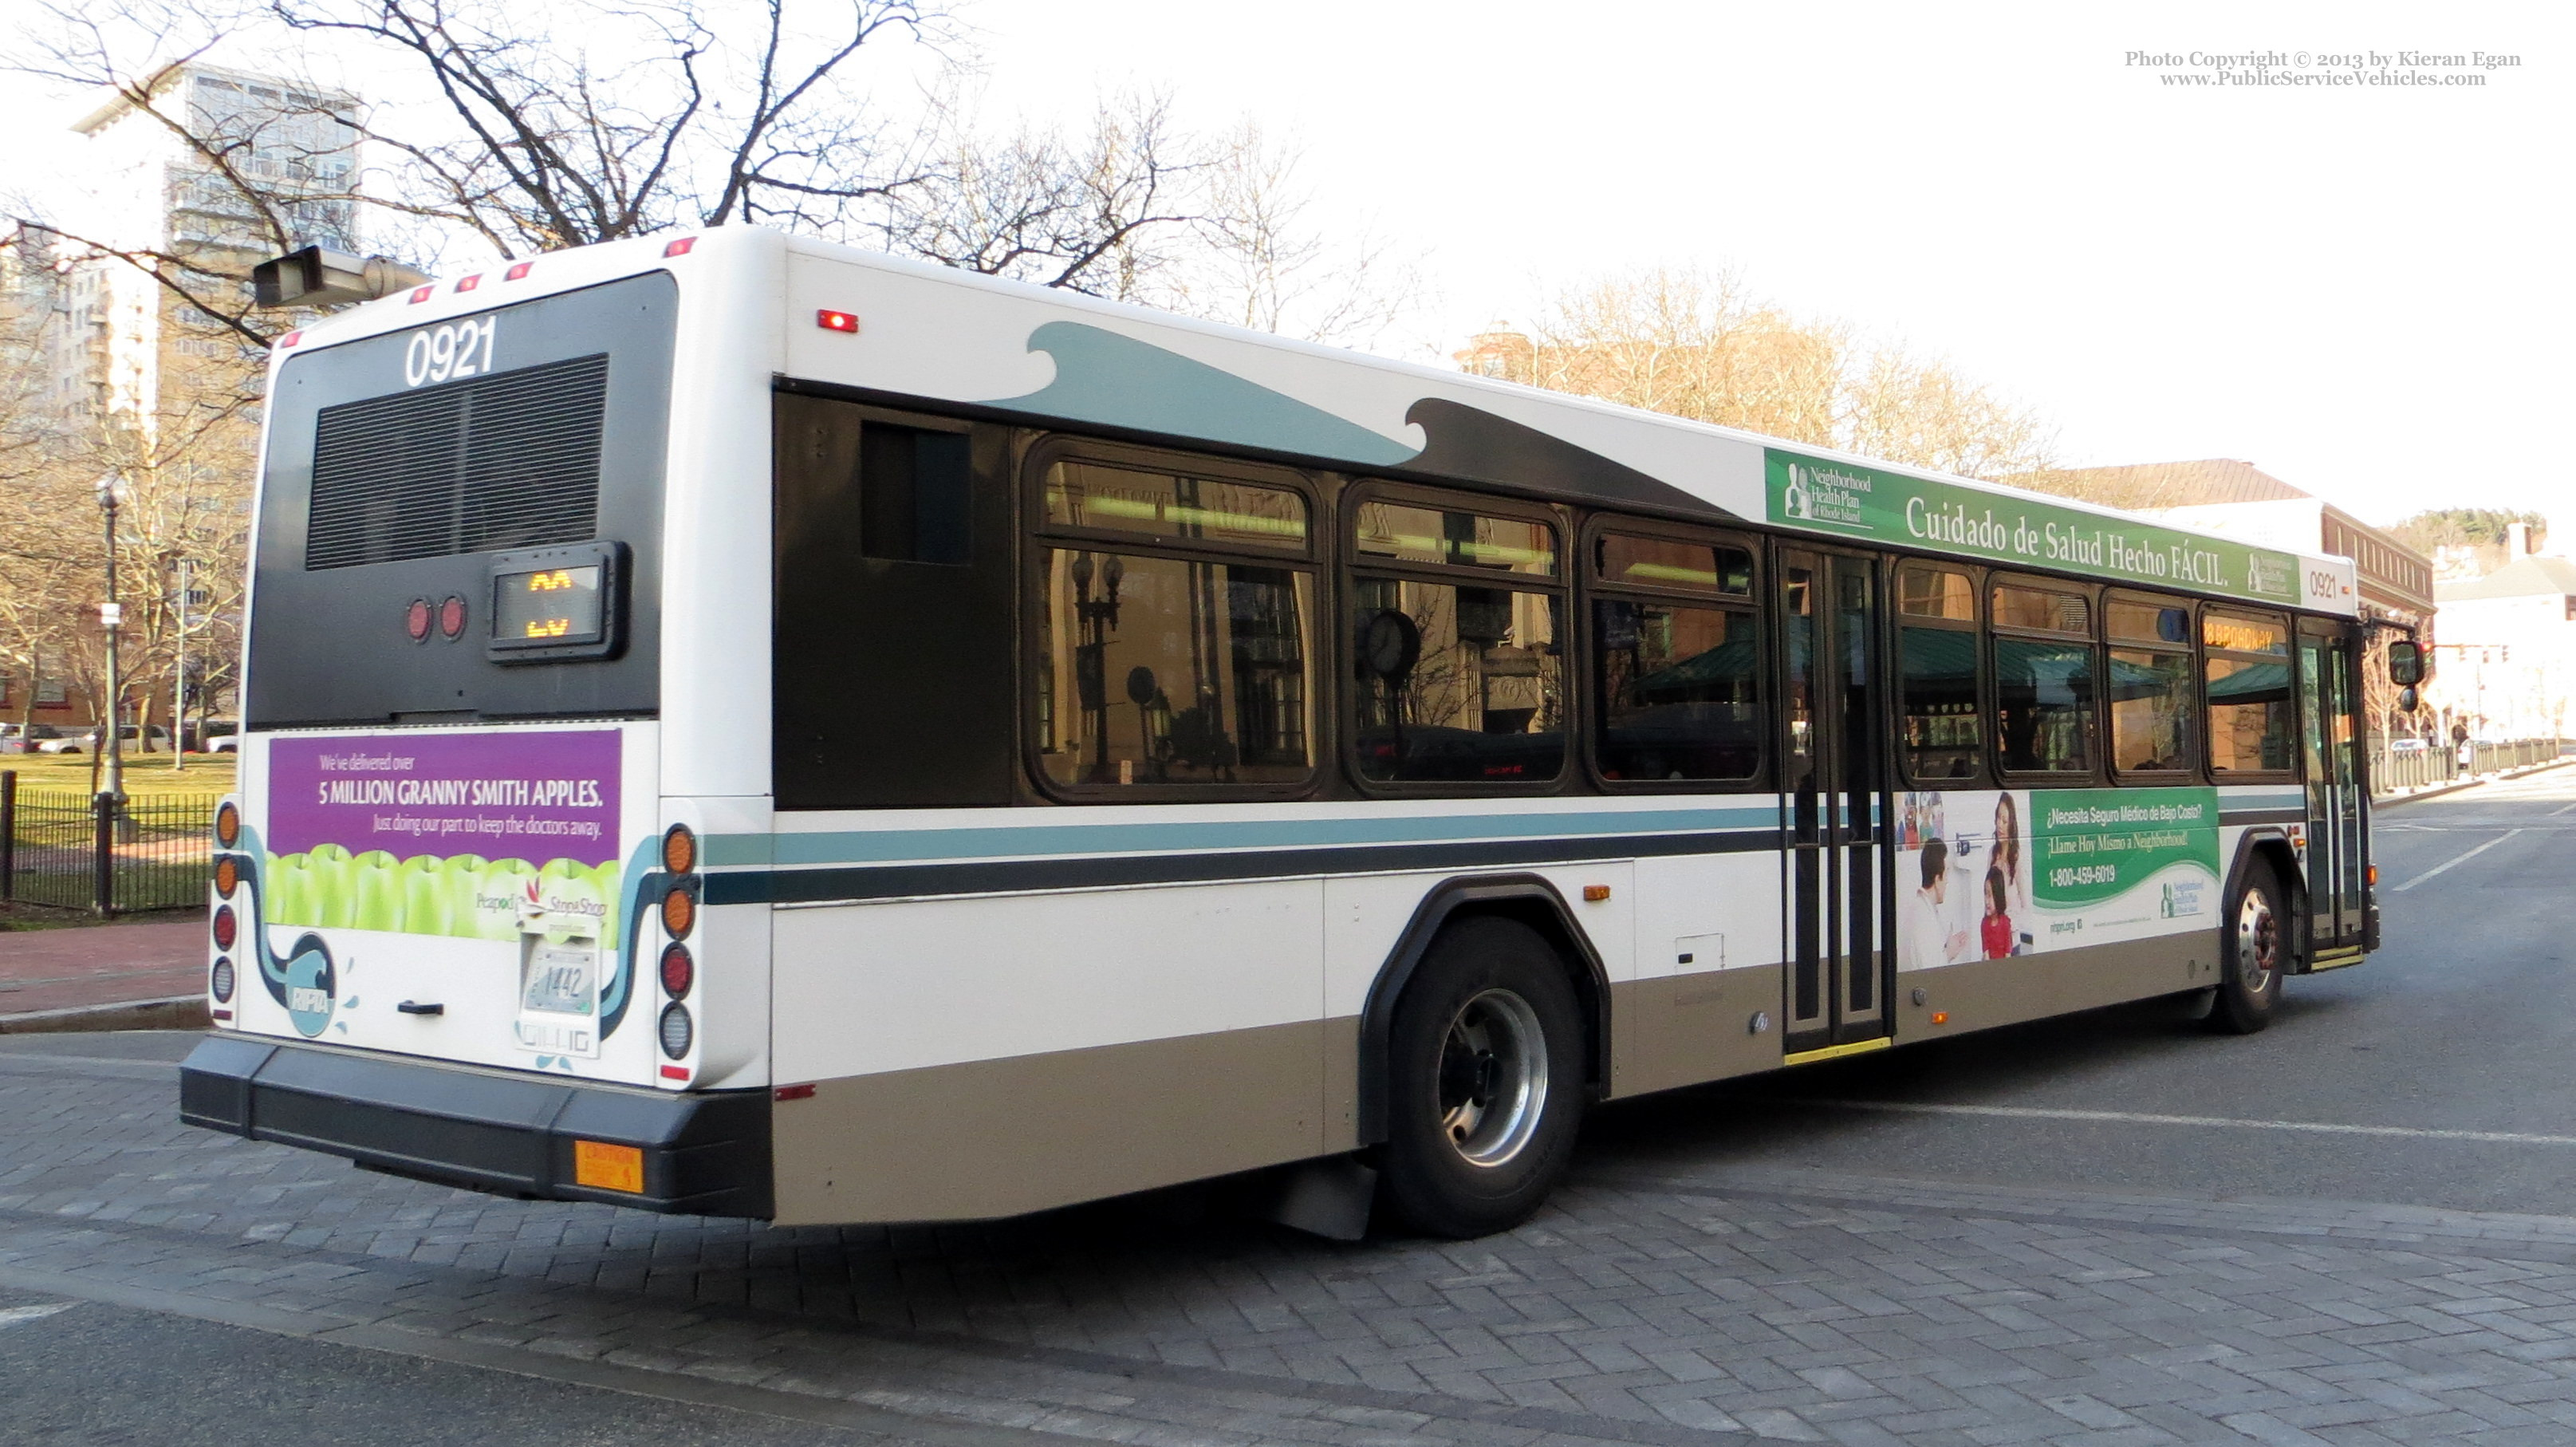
[[983, 1057], [1982, 994], [1708, 961]]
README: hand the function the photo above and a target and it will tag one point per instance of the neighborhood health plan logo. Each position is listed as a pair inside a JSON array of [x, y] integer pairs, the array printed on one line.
[[1972, 522]]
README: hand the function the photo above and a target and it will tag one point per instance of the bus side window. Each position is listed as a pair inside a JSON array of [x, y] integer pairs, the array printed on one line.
[[891, 664], [1940, 736], [2044, 670], [1176, 618], [2152, 731], [2245, 678], [1675, 675]]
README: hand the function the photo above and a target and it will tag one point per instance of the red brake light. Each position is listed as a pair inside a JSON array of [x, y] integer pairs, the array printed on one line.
[[420, 294], [451, 616], [680, 247], [832, 321], [515, 272], [227, 929], [416, 620], [679, 972]]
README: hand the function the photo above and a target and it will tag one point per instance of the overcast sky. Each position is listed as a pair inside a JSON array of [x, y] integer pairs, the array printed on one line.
[[2364, 290]]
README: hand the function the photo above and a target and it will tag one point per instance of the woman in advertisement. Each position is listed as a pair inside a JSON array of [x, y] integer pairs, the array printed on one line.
[[2008, 864]]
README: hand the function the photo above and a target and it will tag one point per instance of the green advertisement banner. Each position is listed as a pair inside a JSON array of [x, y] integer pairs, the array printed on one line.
[[2089, 846], [1944, 517]]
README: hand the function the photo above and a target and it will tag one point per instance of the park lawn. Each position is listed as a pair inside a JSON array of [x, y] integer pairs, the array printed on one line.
[[146, 775]]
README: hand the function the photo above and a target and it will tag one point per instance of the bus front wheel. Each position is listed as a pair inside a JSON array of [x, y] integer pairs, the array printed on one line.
[[1485, 1081], [2254, 947]]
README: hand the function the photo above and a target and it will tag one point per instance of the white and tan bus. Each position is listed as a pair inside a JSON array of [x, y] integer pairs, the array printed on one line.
[[740, 725]]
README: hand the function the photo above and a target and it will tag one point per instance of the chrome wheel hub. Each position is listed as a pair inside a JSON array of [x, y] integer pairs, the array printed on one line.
[[2258, 942], [1493, 1077]]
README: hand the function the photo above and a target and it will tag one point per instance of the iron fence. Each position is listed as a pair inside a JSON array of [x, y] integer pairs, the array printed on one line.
[[75, 851], [2440, 763]]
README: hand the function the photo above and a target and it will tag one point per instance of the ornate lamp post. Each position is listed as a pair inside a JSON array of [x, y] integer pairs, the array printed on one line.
[[111, 617]]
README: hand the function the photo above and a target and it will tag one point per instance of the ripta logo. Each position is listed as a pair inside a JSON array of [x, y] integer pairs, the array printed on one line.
[[311, 986]]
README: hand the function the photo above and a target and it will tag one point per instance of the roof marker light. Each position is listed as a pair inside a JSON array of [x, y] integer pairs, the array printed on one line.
[[517, 271], [420, 294], [680, 247], [471, 282], [290, 339], [832, 321]]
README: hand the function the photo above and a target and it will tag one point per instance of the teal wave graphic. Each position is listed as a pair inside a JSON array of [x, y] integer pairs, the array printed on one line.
[[1118, 381]]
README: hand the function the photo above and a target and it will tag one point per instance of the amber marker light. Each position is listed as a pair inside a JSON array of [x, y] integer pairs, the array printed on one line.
[[832, 321], [2374, 876], [1595, 893], [1940, 1017], [679, 912], [227, 876], [227, 826], [679, 849]]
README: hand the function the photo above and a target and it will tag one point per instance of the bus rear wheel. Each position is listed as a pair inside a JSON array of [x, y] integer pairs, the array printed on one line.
[[2254, 947], [1485, 1081]]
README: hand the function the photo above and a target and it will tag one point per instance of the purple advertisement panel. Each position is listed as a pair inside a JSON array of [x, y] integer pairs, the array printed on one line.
[[531, 796]]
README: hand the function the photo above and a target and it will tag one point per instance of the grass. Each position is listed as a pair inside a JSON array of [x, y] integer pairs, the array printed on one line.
[[146, 775]]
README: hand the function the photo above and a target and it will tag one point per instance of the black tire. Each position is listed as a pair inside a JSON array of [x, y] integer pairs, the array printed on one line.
[[1475, 1140], [2254, 952]]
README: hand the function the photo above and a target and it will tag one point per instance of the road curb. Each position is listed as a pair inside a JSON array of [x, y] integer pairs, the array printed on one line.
[[179, 1012]]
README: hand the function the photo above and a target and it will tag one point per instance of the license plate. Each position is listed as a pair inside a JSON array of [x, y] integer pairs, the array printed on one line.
[[562, 979]]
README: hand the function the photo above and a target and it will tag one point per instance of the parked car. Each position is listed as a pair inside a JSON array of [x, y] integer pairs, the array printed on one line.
[[65, 742], [2407, 746], [221, 736]]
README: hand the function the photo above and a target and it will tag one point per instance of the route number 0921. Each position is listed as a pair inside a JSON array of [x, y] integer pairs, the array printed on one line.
[[443, 354]]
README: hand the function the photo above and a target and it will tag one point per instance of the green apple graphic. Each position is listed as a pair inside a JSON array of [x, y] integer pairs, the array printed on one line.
[[572, 900], [285, 901], [424, 895], [464, 880], [375, 892], [333, 894]]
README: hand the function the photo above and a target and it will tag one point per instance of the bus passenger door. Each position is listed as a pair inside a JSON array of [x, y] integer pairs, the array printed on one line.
[[2330, 737], [1837, 884]]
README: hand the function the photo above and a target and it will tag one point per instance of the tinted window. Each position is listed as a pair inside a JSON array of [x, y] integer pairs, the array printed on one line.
[[1676, 691], [2043, 705], [2250, 717], [912, 494], [1456, 684], [1670, 563], [2042, 610], [1174, 508], [1167, 671], [1406, 533], [1941, 736], [2150, 710]]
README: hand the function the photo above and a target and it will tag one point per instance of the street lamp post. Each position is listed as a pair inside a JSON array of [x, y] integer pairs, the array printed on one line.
[[111, 618]]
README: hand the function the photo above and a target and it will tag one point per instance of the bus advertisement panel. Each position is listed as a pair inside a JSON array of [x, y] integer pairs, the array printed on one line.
[[1984, 874]]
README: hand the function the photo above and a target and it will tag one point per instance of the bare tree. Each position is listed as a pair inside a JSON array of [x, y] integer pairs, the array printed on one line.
[[1700, 345]]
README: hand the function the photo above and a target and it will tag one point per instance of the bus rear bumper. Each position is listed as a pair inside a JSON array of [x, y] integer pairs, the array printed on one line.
[[703, 1154]]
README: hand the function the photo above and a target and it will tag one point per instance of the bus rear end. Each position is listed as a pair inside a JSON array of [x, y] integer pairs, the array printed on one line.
[[455, 931]]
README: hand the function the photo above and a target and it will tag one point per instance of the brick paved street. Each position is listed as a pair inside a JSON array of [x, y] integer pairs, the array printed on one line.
[[1984, 1282]]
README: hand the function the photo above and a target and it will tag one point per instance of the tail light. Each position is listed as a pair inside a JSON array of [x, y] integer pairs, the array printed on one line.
[[678, 1030], [226, 928], [679, 971]]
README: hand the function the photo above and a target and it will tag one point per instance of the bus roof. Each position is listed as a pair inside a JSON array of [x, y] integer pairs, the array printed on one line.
[[1052, 357]]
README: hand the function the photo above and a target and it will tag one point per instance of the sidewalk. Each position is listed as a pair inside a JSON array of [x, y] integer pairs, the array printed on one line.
[[104, 977]]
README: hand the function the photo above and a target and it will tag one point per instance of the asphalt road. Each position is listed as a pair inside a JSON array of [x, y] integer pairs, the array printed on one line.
[[2451, 1055]]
